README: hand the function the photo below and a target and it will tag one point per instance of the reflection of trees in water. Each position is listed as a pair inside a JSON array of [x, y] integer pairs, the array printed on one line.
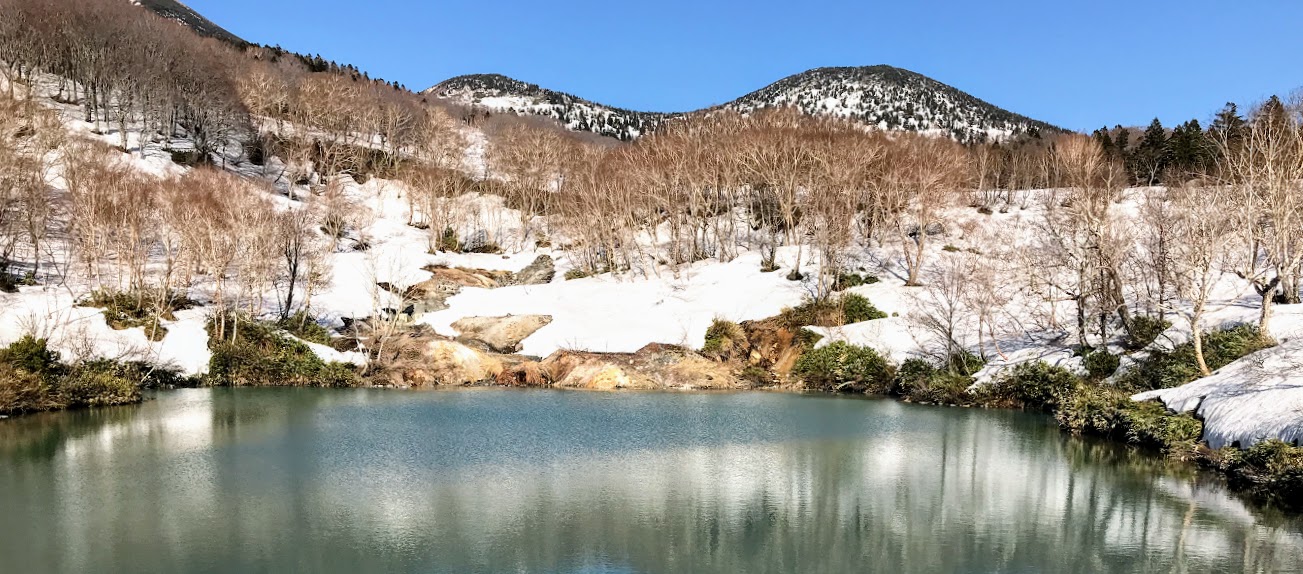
[[295, 479]]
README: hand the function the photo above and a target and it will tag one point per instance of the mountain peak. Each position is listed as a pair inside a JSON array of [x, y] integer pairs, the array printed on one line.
[[881, 96]]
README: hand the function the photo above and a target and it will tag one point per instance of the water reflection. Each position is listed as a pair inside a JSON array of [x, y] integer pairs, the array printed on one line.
[[492, 481]]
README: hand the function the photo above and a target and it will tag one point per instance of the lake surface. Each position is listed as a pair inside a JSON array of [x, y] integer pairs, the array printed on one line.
[[492, 480]]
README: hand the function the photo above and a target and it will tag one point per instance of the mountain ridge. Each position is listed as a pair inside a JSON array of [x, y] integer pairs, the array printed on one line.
[[188, 17], [883, 96]]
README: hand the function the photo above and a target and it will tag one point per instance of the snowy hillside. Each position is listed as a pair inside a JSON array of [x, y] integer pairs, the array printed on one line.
[[500, 93], [892, 99], [880, 96]]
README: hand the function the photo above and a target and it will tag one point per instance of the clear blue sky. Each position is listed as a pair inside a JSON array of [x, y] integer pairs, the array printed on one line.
[[1079, 65]]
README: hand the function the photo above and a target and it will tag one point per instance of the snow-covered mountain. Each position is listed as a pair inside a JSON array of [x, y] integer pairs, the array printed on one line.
[[881, 96], [500, 93], [175, 10], [894, 99]]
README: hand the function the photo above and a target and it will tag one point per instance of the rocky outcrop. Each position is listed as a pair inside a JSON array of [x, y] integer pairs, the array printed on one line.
[[652, 367], [452, 363], [499, 334], [540, 272], [421, 358]]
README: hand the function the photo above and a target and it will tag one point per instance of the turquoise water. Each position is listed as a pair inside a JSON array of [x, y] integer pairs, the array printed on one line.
[[493, 480]]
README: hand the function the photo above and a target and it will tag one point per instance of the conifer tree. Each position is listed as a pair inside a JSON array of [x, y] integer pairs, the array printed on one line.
[[1151, 155]]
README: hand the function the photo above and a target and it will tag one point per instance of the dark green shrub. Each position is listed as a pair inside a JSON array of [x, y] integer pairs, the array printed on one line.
[[304, 326], [189, 158], [9, 282], [1167, 369], [847, 309], [806, 338], [757, 376], [31, 355], [964, 363], [252, 353], [1271, 470], [847, 280], [839, 366], [1144, 330], [1037, 386], [577, 273], [1101, 364], [124, 310], [722, 338], [919, 381], [98, 384], [1150, 423], [856, 309], [449, 241], [1093, 409]]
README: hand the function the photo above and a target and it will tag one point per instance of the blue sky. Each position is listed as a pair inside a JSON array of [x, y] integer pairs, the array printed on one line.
[[1079, 65]]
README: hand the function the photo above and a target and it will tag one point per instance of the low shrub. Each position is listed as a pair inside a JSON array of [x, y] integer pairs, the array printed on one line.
[[722, 338], [189, 158], [1167, 369], [246, 352], [10, 282], [1150, 423], [98, 384], [1093, 409], [23, 391], [844, 310], [756, 375], [449, 241], [1272, 470], [1034, 386], [577, 273], [920, 381], [304, 326], [127, 310], [1101, 364], [1107, 411], [32, 355], [32, 379], [841, 366], [847, 280], [807, 338], [1145, 330], [857, 309]]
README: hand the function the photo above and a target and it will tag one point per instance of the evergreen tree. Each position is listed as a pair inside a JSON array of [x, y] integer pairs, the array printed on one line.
[[1150, 158], [1226, 130], [1106, 144], [1189, 149]]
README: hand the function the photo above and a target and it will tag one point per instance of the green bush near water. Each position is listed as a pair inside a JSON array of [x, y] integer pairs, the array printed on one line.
[[246, 352], [32, 379], [1272, 470], [839, 366], [1167, 369]]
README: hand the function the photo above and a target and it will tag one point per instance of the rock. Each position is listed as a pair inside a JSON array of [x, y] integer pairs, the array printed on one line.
[[432, 294], [652, 367], [540, 272], [500, 334], [452, 363]]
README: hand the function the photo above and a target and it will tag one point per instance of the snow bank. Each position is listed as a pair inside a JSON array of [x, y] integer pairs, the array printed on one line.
[[1256, 398], [622, 314]]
